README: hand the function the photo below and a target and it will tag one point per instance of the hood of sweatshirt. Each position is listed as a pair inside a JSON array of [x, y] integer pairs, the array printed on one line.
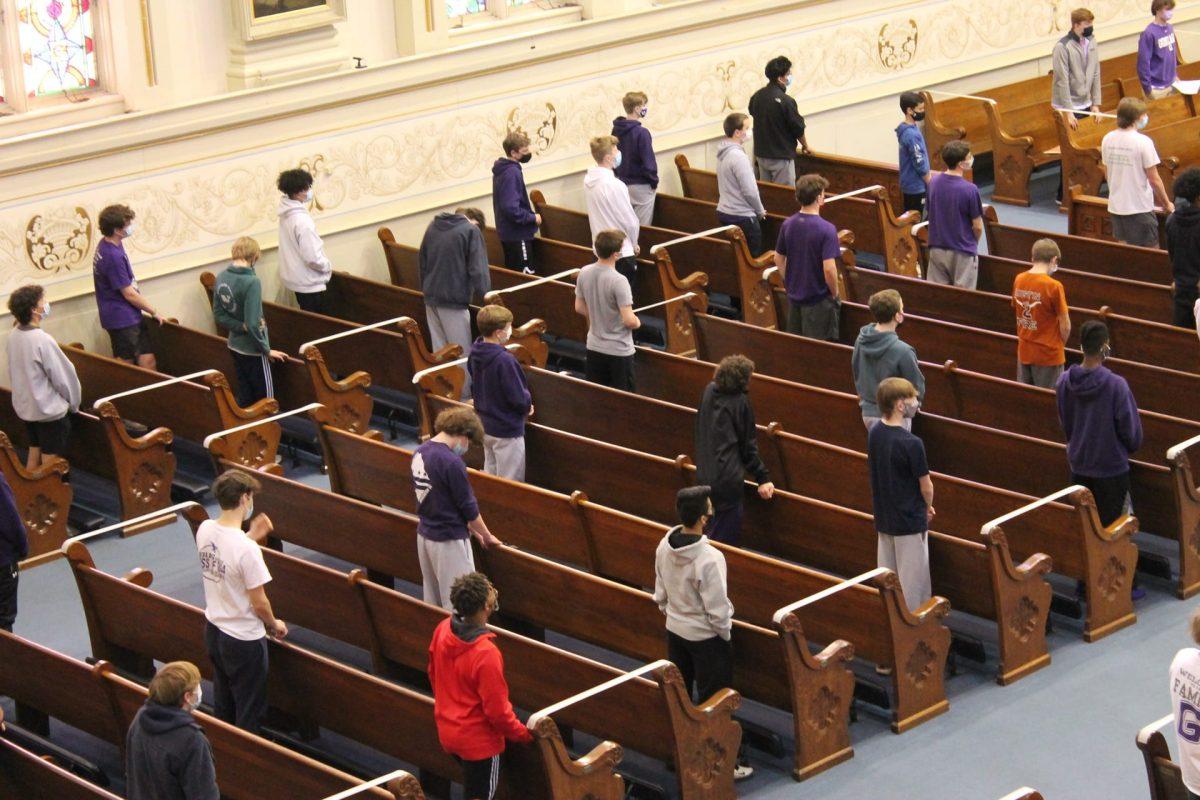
[[288, 206], [448, 220], [875, 342], [597, 175], [1186, 215], [726, 147], [906, 129], [503, 165], [1087, 383], [464, 636], [684, 547], [622, 126], [156, 719], [484, 352]]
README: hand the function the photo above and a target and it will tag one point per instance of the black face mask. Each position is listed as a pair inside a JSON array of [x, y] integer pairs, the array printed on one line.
[[525, 158], [918, 116], [1089, 30]]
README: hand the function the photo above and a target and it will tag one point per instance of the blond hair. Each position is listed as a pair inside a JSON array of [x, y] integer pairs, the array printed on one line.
[[632, 100], [602, 146], [892, 391], [173, 681], [492, 318], [246, 249], [1044, 250]]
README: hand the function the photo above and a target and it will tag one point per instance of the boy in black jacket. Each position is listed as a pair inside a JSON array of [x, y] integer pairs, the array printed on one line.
[[727, 447], [1183, 245], [778, 126], [167, 756]]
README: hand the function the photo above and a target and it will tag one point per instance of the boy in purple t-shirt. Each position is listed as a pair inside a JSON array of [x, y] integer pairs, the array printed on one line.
[[806, 255], [1157, 56], [117, 296], [955, 213], [446, 509]]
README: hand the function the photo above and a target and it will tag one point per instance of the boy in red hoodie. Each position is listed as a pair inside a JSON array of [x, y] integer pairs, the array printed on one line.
[[470, 695]]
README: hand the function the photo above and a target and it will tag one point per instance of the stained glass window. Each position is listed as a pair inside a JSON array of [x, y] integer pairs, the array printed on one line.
[[458, 8], [514, 3], [58, 53]]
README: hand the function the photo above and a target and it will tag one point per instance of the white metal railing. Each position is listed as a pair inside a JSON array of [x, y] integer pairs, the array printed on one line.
[[358, 329], [1174, 451], [208, 439], [664, 302], [853, 193], [1081, 111], [919, 225], [967, 96], [416, 378], [691, 236], [595, 690], [1018, 794], [371, 784], [162, 513], [155, 385], [1041, 501], [821, 595], [545, 279]]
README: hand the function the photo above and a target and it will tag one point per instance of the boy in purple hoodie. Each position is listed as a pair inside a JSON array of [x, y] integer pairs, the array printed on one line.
[[502, 397], [638, 168], [1100, 417], [1157, 56], [516, 224]]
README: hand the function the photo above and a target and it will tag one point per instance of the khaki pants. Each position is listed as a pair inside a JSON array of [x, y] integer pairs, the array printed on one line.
[[908, 557], [1035, 375], [641, 195], [952, 268], [1158, 94]]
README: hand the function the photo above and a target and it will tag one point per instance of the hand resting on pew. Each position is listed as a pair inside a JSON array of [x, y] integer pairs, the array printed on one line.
[[766, 490]]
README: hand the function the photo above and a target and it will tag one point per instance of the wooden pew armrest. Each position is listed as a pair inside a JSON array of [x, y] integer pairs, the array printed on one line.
[[450, 352], [262, 408], [139, 577], [55, 466], [154, 438], [1122, 528], [936, 607], [835, 654]]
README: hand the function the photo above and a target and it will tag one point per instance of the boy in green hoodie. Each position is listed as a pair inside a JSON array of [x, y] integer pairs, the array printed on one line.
[[879, 354], [237, 307]]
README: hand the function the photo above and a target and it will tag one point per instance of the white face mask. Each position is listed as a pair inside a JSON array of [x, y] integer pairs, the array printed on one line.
[[788, 80], [308, 196], [249, 510], [45, 309], [199, 698], [968, 164], [749, 136], [1143, 122], [911, 407], [505, 334], [129, 230]]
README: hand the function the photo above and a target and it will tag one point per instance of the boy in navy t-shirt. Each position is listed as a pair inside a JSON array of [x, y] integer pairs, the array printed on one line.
[[901, 491]]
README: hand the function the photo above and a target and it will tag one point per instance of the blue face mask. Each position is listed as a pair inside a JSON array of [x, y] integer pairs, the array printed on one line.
[[459, 449], [617, 163], [1143, 122]]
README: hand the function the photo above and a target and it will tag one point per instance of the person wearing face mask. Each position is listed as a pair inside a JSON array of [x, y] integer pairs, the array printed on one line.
[[690, 588], [238, 612], [1131, 169], [1075, 62], [901, 491], [1100, 418], [608, 203], [955, 212], [914, 157], [1157, 55], [738, 200], [502, 397], [303, 265], [470, 696], [879, 353], [45, 388], [167, 755], [777, 124], [120, 303], [1043, 320], [237, 307], [516, 223], [639, 168], [448, 515], [454, 272]]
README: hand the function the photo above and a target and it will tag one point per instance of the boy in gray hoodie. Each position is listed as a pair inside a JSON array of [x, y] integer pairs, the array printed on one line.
[[690, 588], [879, 354], [738, 201]]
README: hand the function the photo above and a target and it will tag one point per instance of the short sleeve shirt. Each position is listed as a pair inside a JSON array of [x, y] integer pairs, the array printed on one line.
[[1127, 154], [807, 240], [112, 272], [951, 204], [604, 290], [231, 564], [1185, 704], [896, 462], [1038, 300]]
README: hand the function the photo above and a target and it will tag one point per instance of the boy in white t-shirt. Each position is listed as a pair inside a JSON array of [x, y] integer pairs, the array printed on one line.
[[1185, 704], [1130, 167], [235, 602]]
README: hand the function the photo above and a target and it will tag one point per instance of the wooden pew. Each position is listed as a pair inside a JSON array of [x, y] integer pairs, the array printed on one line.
[[1082, 164], [1135, 339], [130, 625], [652, 715], [1081, 549], [24, 775], [1082, 253], [98, 702], [142, 469], [724, 257], [43, 500], [190, 409], [875, 226], [815, 688], [1163, 772], [845, 174], [1088, 216]]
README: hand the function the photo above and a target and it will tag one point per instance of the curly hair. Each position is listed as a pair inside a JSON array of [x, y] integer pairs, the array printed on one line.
[[114, 218], [732, 375], [24, 300], [460, 421], [294, 181], [1187, 184], [469, 593]]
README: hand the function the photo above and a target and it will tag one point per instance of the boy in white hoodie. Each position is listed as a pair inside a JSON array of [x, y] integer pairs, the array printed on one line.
[[303, 267], [608, 203], [690, 588]]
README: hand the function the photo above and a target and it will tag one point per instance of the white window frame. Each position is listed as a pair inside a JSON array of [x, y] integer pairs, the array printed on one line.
[[500, 10], [16, 96]]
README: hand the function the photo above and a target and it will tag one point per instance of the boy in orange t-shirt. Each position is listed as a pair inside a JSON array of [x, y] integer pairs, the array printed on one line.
[[1043, 323]]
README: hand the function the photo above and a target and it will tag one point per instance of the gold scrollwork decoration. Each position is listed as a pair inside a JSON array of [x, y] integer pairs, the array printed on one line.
[[540, 124], [897, 44], [59, 240]]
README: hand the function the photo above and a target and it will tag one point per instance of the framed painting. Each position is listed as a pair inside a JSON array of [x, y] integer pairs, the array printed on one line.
[[262, 19]]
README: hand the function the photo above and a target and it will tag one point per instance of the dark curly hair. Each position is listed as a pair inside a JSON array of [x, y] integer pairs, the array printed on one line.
[[469, 593], [293, 181], [460, 421], [1187, 185], [114, 218], [24, 300], [732, 375]]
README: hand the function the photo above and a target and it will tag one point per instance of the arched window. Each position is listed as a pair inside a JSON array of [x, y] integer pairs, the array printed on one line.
[[49, 52], [461, 11]]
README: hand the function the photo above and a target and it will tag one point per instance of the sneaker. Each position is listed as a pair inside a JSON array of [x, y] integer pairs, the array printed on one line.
[[528, 270], [883, 670], [742, 771]]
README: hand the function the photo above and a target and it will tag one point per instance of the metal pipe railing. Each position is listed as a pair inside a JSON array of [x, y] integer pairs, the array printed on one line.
[[371, 784], [821, 595], [967, 96], [853, 193], [664, 302], [1050, 498], [155, 385], [545, 279], [691, 236], [169, 511], [351, 332], [595, 690], [416, 378], [208, 439]]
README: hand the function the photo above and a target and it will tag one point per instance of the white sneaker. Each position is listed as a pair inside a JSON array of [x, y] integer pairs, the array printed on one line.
[[742, 771]]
